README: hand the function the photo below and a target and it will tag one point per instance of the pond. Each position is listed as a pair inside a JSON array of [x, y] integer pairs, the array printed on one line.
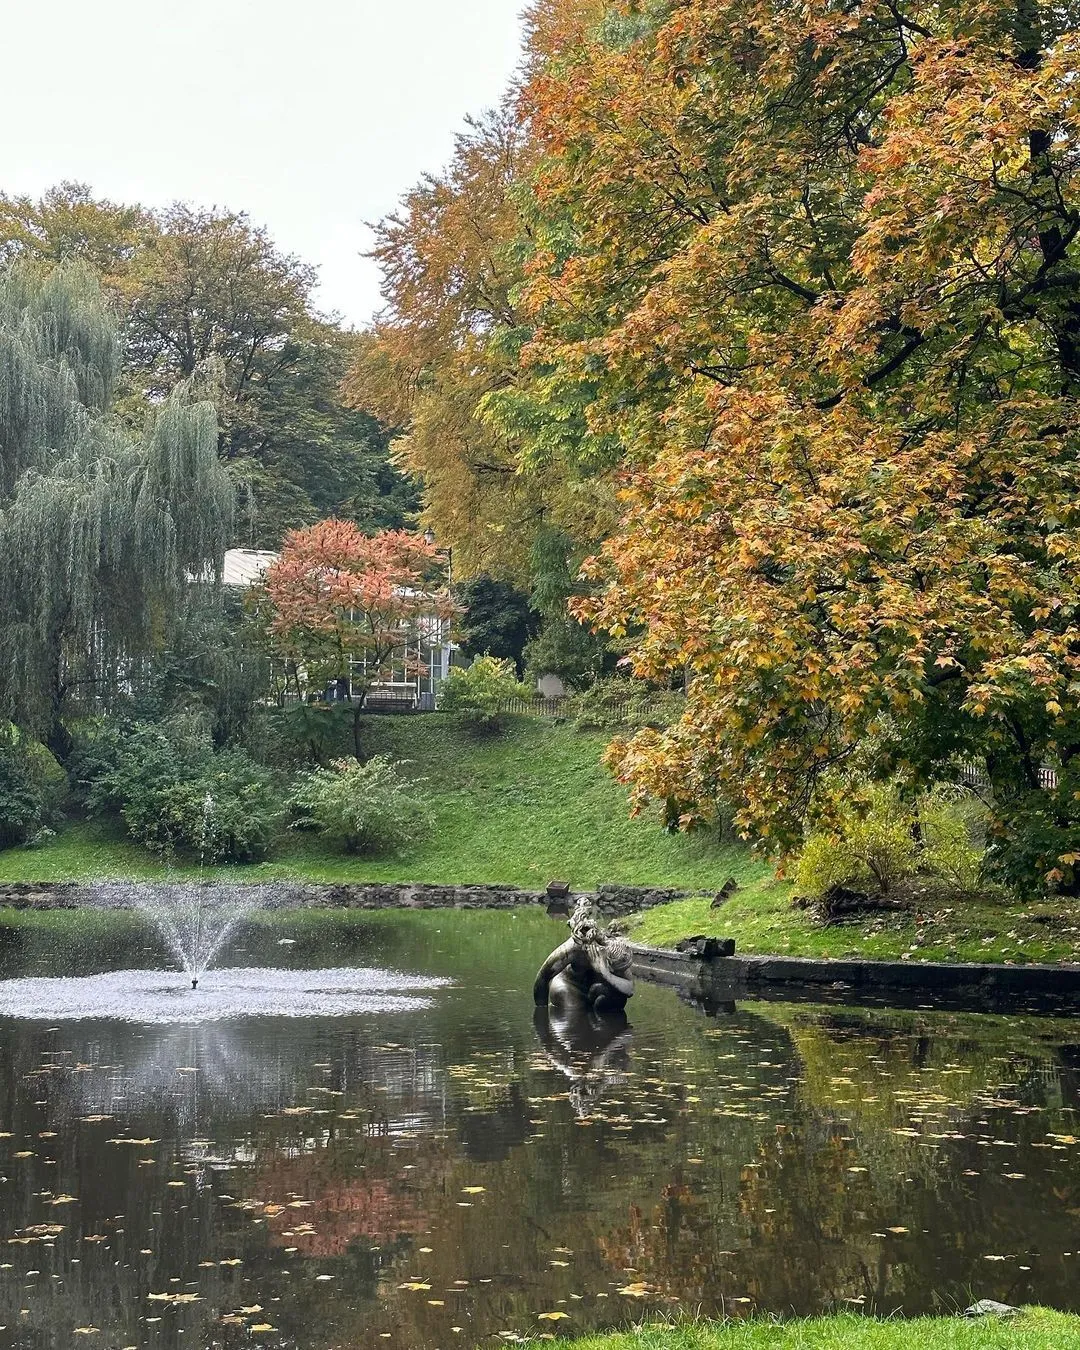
[[416, 1164]]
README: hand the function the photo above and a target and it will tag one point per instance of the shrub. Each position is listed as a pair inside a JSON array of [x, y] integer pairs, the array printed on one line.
[[22, 798], [827, 861], [952, 822], [1035, 843], [617, 702], [362, 808], [230, 813], [174, 794], [872, 841], [477, 694], [876, 837]]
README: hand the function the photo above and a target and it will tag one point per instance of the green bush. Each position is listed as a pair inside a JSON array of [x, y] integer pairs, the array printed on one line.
[[230, 813], [1035, 840], [362, 808], [876, 837], [22, 797], [617, 702], [478, 694], [175, 795], [871, 842], [952, 823], [826, 861]]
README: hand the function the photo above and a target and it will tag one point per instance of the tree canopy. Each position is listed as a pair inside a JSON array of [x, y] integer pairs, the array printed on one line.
[[190, 286], [801, 286], [100, 530], [347, 608], [826, 262]]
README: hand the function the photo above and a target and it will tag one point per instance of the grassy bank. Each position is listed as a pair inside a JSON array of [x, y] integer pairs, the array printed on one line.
[[520, 808], [1034, 1329], [761, 919]]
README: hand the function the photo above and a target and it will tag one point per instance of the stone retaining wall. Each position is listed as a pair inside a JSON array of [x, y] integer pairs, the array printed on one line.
[[614, 901], [722, 978]]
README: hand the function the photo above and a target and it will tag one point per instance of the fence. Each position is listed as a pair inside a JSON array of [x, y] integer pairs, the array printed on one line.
[[537, 707], [633, 710], [970, 773]]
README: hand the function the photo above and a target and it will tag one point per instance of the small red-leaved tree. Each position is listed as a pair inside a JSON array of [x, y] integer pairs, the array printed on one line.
[[346, 608]]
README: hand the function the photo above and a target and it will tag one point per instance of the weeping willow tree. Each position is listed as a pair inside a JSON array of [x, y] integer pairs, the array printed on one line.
[[100, 531]]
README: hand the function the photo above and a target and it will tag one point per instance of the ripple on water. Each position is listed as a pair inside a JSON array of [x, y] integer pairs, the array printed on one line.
[[157, 997]]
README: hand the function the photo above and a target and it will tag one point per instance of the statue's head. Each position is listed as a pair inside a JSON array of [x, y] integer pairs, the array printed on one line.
[[585, 922]]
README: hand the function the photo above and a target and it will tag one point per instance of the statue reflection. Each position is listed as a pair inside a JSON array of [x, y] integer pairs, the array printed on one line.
[[591, 1049]]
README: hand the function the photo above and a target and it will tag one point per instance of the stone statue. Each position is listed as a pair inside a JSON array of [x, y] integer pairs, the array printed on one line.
[[590, 971]]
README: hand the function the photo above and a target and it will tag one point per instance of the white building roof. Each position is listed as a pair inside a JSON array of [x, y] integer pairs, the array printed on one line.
[[245, 566]]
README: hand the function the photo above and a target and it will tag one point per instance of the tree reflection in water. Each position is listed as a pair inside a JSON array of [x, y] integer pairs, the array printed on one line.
[[461, 1164]]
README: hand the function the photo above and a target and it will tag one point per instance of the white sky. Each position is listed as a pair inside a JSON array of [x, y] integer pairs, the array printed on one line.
[[313, 116]]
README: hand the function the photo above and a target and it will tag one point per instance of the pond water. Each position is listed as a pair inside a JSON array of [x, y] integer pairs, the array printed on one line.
[[417, 1164]]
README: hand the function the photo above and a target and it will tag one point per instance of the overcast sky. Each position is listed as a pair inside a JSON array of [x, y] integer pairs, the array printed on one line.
[[311, 115]]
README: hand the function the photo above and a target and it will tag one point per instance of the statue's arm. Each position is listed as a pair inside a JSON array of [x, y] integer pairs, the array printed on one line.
[[554, 965]]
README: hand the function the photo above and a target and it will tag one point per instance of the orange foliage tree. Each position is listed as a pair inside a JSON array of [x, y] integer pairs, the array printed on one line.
[[341, 606], [500, 460], [818, 268]]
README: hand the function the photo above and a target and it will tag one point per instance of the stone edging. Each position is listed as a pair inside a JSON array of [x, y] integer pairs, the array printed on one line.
[[940, 983], [614, 901]]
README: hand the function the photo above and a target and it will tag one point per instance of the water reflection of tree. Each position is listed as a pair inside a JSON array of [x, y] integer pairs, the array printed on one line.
[[807, 1220]]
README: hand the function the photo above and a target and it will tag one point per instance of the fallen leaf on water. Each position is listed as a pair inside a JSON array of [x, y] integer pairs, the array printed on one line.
[[473, 1190], [414, 1285], [263, 1326], [899, 1228], [553, 1316], [87, 1331], [636, 1290], [64, 1200]]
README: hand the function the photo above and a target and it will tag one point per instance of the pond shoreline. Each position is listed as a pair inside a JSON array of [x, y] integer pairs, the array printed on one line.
[[710, 974], [712, 978], [615, 901]]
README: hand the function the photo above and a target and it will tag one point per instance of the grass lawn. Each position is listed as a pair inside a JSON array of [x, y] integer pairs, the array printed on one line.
[[1034, 1329], [520, 808], [761, 919], [535, 803]]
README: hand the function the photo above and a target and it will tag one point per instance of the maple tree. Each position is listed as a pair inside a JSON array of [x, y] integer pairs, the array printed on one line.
[[817, 269], [341, 606], [501, 458]]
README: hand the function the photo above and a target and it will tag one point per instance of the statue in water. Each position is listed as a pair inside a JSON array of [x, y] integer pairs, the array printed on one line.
[[590, 971]]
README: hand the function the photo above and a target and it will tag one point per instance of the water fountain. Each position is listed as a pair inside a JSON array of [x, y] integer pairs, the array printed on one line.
[[195, 920]]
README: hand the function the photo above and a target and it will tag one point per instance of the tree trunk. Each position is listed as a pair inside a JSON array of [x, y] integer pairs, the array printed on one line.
[[358, 710]]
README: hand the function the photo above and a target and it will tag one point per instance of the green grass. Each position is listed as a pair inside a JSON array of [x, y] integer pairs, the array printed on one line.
[[761, 919], [1033, 1329], [520, 808], [536, 803]]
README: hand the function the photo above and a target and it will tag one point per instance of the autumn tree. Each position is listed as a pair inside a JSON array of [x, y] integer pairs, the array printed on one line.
[[344, 607], [818, 269]]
